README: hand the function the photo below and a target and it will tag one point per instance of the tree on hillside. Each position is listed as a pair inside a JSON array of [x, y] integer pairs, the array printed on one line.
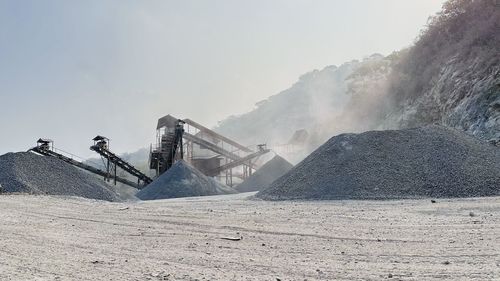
[[465, 29]]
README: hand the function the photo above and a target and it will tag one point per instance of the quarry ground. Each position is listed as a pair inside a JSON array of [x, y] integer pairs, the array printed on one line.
[[56, 238]]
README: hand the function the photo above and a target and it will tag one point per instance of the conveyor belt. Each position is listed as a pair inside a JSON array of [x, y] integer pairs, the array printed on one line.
[[211, 133], [81, 165], [113, 158], [228, 154], [211, 146], [236, 163]]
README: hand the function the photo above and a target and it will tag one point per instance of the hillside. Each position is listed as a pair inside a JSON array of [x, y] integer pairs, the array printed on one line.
[[315, 97], [452, 73], [450, 76]]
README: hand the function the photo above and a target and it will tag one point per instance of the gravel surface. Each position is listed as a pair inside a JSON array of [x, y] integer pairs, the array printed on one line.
[[267, 174], [431, 161], [182, 180], [48, 238], [27, 172]]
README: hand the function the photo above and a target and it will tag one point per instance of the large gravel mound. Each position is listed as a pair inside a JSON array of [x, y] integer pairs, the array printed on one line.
[[431, 161], [182, 180], [266, 175], [27, 172]]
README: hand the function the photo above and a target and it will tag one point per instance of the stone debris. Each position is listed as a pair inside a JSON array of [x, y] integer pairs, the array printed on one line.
[[182, 180], [267, 174], [431, 161], [27, 172]]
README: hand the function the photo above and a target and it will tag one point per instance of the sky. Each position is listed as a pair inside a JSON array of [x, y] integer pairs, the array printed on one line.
[[70, 70]]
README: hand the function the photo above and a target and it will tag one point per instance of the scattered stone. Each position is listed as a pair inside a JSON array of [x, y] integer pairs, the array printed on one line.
[[27, 172], [431, 161], [182, 180], [232, 238], [266, 175]]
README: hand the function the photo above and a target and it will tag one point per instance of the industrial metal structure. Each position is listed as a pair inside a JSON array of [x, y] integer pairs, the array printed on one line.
[[101, 146], [211, 153], [45, 147], [169, 146], [176, 139]]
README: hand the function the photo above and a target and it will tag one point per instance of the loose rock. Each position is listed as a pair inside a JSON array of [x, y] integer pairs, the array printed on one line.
[[182, 180], [266, 175], [27, 172], [432, 161]]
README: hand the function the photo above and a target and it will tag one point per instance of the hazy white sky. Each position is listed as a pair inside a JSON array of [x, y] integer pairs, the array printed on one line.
[[72, 69]]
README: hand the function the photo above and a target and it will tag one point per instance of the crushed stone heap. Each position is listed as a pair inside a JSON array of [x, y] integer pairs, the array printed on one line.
[[27, 172], [266, 175], [430, 161], [182, 180]]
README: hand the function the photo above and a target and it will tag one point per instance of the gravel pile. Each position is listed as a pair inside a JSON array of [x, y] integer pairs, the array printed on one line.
[[27, 172], [431, 161], [266, 175], [182, 180]]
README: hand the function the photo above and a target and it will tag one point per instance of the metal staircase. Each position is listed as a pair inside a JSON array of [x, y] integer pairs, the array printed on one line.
[[169, 149]]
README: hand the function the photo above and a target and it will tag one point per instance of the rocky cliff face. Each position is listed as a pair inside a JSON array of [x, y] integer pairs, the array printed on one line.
[[451, 75], [455, 101]]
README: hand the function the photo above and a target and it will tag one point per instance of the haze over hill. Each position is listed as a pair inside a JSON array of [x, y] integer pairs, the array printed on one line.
[[450, 76], [114, 67], [356, 193]]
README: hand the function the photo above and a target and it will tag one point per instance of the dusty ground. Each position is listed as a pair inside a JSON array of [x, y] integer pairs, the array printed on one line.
[[51, 238]]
